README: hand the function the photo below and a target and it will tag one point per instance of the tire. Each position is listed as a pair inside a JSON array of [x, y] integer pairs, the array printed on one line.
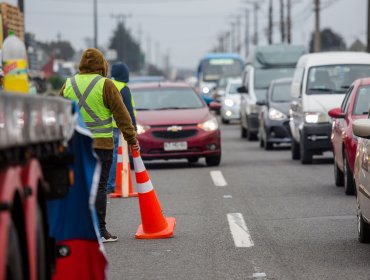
[[295, 149], [213, 160], [41, 247], [193, 160], [363, 229], [306, 155], [251, 136], [338, 175], [349, 186], [243, 131], [268, 146], [224, 121], [14, 266]]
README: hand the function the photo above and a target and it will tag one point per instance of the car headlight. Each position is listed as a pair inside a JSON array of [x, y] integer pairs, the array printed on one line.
[[205, 90], [229, 102], [276, 115], [209, 125], [315, 117], [142, 128]]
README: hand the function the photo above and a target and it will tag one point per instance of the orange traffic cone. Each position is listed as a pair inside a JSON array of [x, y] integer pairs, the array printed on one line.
[[154, 224], [124, 186]]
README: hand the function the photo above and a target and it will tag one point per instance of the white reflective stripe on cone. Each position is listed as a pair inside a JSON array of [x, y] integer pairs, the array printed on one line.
[[119, 158], [145, 187], [138, 164]]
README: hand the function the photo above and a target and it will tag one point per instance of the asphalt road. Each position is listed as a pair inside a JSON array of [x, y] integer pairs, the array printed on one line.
[[272, 219]]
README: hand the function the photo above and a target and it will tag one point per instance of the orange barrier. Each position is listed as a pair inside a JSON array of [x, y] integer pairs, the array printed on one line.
[[154, 224], [124, 187]]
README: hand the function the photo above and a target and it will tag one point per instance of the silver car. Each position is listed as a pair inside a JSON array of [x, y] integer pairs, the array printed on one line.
[[230, 102]]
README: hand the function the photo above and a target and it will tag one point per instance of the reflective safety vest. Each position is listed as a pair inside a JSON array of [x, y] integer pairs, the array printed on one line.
[[87, 90], [120, 85]]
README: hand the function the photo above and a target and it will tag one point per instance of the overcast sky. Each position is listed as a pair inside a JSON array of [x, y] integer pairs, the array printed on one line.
[[185, 28]]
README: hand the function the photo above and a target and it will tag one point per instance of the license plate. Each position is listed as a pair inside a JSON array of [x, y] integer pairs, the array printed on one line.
[[175, 146]]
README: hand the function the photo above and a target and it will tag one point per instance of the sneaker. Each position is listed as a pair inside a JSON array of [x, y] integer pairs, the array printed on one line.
[[107, 237]]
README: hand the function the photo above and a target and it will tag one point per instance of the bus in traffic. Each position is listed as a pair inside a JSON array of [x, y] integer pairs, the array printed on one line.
[[214, 67]]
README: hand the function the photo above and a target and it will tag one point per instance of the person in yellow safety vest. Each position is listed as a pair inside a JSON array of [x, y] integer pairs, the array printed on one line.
[[120, 77], [100, 102]]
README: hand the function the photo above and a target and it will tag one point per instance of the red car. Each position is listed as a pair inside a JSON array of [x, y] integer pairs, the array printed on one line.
[[174, 122], [355, 106]]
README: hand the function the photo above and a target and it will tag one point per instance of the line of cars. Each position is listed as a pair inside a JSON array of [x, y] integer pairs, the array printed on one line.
[[322, 106]]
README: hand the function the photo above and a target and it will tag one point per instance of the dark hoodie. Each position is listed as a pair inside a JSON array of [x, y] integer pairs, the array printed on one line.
[[120, 73], [93, 62]]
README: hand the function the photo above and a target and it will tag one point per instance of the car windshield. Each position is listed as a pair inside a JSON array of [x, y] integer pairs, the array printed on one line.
[[263, 77], [331, 79], [166, 99], [281, 92], [233, 89], [217, 68], [362, 103]]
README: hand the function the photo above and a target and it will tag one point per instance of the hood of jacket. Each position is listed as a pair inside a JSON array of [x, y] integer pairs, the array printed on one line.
[[93, 62], [120, 72]]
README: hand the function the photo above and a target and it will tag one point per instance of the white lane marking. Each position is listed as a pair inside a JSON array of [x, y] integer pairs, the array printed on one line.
[[228, 196], [239, 230], [218, 178], [259, 275]]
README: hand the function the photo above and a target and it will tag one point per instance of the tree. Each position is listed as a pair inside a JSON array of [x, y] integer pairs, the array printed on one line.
[[128, 50], [60, 49], [330, 41]]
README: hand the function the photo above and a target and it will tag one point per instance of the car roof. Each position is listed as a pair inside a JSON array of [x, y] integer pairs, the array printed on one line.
[[282, 81], [333, 58], [160, 85], [363, 81]]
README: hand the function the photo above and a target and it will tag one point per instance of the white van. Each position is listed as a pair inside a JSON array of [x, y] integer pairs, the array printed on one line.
[[320, 82]]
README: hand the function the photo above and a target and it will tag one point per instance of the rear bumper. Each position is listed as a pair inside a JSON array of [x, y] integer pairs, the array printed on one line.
[[202, 145], [316, 137]]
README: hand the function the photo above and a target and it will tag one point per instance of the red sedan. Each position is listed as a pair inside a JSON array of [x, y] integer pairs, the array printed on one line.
[[355, 106], [174, 122]]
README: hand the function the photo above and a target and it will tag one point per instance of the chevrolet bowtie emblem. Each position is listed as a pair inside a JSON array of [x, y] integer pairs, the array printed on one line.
[[174, 128]]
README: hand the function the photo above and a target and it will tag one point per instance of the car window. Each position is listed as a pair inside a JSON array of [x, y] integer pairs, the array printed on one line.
[[281, 92], [362, 102], [345, 102], [233, 88], [334, 78], [166, 99], [263, 77]]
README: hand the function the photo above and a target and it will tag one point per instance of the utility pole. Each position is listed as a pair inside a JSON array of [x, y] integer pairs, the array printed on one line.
[[238, 34], [317, 46], [368, 26], [269, 32], [158, 55], [282, 25], [247, 33], [255, 37], [149, 50], [232, 32], [289, 22], [96, 24], [221, 43]]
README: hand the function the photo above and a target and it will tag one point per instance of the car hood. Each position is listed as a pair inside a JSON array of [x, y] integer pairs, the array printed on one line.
[[170, 117], [323, 102], [281, 106]]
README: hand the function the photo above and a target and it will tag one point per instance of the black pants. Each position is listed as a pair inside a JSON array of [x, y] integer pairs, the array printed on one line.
[[105, 157]]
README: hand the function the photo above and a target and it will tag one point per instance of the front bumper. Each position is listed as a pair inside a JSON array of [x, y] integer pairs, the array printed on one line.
[[202, 144], [317, 137], [230, 113], [278, 131]]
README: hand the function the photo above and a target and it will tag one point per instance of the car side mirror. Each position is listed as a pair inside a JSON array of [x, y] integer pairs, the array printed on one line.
[[214, 106], [361, 128], [336, 113], [242, 89], [261, 103]]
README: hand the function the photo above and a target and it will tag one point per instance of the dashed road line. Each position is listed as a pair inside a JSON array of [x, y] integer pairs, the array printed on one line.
[[239, 230], [218, 178], [228, 196]]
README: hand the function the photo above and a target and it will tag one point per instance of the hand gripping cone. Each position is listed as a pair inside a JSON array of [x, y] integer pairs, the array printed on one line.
[[124, 186], [154, 224]]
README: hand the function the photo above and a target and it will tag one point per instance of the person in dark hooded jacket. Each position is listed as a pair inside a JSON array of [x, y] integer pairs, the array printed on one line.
[[120, 77]]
